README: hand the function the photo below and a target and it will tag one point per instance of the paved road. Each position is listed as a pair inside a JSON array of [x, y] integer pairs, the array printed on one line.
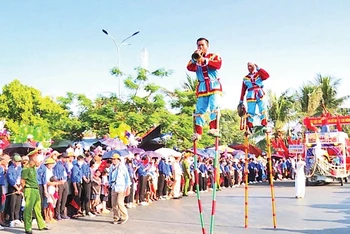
[[325, 209]]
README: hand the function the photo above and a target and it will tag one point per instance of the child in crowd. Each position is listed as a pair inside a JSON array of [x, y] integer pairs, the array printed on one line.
[[52, 191], [96, 191], [104, 191]]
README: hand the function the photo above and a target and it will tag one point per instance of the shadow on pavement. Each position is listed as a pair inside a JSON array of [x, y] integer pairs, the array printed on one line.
[[253, 196], [314, 231], [94, 220], [17, 230]]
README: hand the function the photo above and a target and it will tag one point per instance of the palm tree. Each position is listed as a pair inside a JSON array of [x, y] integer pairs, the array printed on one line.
[[308, 99], [329, 86], [315, 96], [280, 111], [190, 84]]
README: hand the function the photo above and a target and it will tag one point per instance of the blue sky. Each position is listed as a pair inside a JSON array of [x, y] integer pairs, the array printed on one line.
[[58, 46]]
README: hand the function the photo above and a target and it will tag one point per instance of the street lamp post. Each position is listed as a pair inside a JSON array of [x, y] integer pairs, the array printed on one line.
[[117, 45]]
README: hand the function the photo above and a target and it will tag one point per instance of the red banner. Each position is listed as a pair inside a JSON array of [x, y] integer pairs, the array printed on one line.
[[333, 120]]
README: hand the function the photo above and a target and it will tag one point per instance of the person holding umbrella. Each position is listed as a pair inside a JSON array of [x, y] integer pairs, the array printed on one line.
[[14, 189], [31, 194]]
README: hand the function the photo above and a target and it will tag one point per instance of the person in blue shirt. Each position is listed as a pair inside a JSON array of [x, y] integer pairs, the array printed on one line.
[[236, 172], [251, 171], [284, 169], [76, 178], [142, 180], [86, 190], [164, 172], [222, 172], [260, 169], [129, 200], [4, 159], [42, 182], [14, 189], [228, 177], [202, 174], [119, 181], [60, 172]]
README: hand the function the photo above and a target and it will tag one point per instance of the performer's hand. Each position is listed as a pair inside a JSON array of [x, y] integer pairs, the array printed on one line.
[[76, 192], [201, 60]]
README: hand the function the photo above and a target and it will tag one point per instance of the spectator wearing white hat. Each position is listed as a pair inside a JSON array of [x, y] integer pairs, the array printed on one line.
[[30, 140], [78, 150]]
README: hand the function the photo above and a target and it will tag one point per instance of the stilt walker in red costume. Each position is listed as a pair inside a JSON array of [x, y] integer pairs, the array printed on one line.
[[209, 89], [253, 86]]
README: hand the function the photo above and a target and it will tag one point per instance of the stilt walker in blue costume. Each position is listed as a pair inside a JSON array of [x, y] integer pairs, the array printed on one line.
[[253, 86], [209, 89]]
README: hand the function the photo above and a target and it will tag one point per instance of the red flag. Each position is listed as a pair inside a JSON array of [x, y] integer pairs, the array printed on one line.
[[74, 204]]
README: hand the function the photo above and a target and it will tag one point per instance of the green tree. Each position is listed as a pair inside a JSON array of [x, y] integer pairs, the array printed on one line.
[[315, 95], [329, 87], [27, 111], [190, 84], [281, 109], [229, 127], [308, 99]]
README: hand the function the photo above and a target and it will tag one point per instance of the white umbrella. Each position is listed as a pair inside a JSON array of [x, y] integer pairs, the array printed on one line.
[[167, 152]]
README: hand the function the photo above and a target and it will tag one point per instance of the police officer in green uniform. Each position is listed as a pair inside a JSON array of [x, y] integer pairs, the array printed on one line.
[[31, 194]]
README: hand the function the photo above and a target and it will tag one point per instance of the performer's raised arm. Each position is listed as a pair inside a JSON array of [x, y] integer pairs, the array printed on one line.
[[214, 63], [262, 73], [192, 66]]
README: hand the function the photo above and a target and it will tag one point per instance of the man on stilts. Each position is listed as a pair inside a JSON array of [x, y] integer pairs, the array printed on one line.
[[253, 86], [209, 89], [208, 92]]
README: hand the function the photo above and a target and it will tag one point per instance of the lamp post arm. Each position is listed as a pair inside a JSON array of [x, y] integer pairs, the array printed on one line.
[[135, 33]]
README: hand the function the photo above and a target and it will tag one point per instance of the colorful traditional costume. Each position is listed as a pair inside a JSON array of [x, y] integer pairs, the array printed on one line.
[[253, 85], [208, 89]]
